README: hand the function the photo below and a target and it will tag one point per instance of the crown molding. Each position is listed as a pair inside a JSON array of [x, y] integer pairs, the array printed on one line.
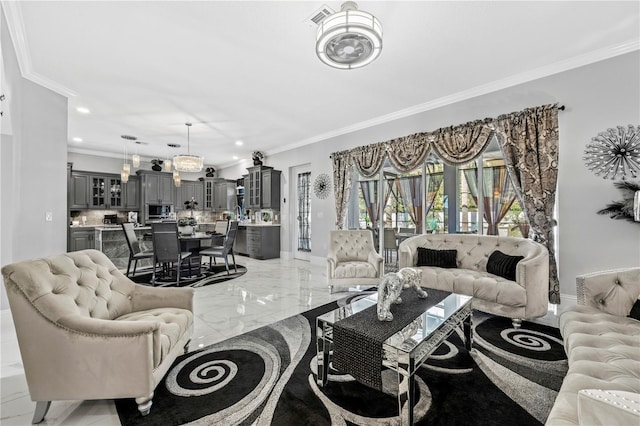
[[15, 24], [527, 76]]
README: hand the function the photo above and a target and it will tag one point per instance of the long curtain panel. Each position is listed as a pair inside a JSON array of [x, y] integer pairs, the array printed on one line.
[[529, 143], [370, 193], [342, 168], [498, 194], [411, 193]]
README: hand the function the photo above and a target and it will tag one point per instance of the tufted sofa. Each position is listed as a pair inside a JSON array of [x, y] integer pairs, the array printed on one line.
[[603, 349], [526, 297], [352, 260], [86, 331]]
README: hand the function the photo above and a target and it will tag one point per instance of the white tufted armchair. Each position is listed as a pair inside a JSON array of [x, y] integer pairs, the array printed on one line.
[[352, 260], [86, 331]]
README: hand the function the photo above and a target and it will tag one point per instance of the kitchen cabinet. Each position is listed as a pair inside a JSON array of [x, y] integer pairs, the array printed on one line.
[[208, 193], [187, 191], [263, 188], [131, 191], [156, 187], [224, 195], [78, 191], [81, 238], [240, 243], [262, 242], [105, 192]]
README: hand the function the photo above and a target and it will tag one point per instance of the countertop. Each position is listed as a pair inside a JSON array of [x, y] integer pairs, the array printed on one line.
[[106, 227]]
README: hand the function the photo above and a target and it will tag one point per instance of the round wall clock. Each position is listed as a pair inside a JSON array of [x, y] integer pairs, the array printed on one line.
[[322, 186]]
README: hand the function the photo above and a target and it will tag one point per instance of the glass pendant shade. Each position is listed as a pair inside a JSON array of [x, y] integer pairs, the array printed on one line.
[[176, 175], [177, 181], [126, 167], [349, 39], [135, 159], [167, 165], [124, 176]]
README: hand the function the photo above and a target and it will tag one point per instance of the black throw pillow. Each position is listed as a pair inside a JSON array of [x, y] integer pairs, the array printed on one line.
[[439, 258], [503, 265], [635, 311]]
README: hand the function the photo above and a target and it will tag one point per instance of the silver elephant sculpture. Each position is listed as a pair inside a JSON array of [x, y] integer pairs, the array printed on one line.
[[391, 286]]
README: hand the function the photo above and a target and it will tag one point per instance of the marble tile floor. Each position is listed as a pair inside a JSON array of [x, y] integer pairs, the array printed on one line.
[[270, 291]]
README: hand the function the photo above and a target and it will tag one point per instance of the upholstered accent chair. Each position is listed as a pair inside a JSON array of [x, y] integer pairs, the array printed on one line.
[[86, 331], [352, 260]]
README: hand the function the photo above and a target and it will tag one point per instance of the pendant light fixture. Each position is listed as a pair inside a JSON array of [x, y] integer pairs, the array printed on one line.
[[126, 167], [349, 39], [187, 162], [135, 158]]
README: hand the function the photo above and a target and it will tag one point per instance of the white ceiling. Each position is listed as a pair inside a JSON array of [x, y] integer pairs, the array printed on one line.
[[248, 70]]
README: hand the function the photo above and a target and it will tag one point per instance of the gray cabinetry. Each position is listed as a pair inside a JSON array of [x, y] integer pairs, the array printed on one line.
[[263, 242], [78, 191], [208, 193], [156, 187], [189, 190], [224, 195], [105, 192], [270, 197], [81, 238], [240, 243], [131, 191], [263, 188]]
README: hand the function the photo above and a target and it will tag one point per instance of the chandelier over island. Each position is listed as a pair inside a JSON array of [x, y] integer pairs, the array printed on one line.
[[187, 162]]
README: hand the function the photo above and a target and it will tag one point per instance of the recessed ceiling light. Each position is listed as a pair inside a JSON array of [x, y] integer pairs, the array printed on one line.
[[83, 110], [238, 143], [77, 139], [235, 157]]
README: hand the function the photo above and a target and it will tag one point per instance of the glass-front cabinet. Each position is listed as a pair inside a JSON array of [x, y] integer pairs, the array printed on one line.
[[105, 192]]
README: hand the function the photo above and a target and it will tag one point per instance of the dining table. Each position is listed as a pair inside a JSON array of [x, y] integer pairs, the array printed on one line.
[[194, 243]]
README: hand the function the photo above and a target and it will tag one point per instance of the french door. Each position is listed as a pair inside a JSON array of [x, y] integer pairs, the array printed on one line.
[[301, 217]]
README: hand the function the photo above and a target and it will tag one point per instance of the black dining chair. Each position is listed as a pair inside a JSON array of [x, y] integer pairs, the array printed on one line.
[[135, 252], [225, 250], [166, 250]]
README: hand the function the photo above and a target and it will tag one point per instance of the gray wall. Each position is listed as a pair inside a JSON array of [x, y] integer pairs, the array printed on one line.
[[33, 180], [597, 96]]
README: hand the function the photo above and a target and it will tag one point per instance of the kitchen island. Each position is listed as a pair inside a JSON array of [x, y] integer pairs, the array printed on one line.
[[258, 241], [110, 240]]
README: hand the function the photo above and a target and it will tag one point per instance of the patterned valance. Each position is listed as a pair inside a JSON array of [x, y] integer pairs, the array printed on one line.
[[464, 143]]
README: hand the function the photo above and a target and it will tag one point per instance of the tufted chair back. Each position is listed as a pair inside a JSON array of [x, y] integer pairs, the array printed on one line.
[[352, 245], [613, 292], [473, 251], [84, 283]]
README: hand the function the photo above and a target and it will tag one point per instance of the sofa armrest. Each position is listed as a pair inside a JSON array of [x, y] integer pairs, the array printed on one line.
[[376, 260], [614, 291], [532, 274], [107, 328], [144, 298], [405, 257], [608, 407]]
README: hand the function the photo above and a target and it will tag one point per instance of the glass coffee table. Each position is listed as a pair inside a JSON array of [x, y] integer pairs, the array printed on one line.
[[406, 350]]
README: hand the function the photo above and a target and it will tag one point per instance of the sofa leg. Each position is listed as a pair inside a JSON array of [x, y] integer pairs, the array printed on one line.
[[517, 322], [144, 404], [42, 407]]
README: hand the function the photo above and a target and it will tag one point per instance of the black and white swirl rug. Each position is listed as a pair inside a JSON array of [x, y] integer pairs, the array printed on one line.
[[267, 377]]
